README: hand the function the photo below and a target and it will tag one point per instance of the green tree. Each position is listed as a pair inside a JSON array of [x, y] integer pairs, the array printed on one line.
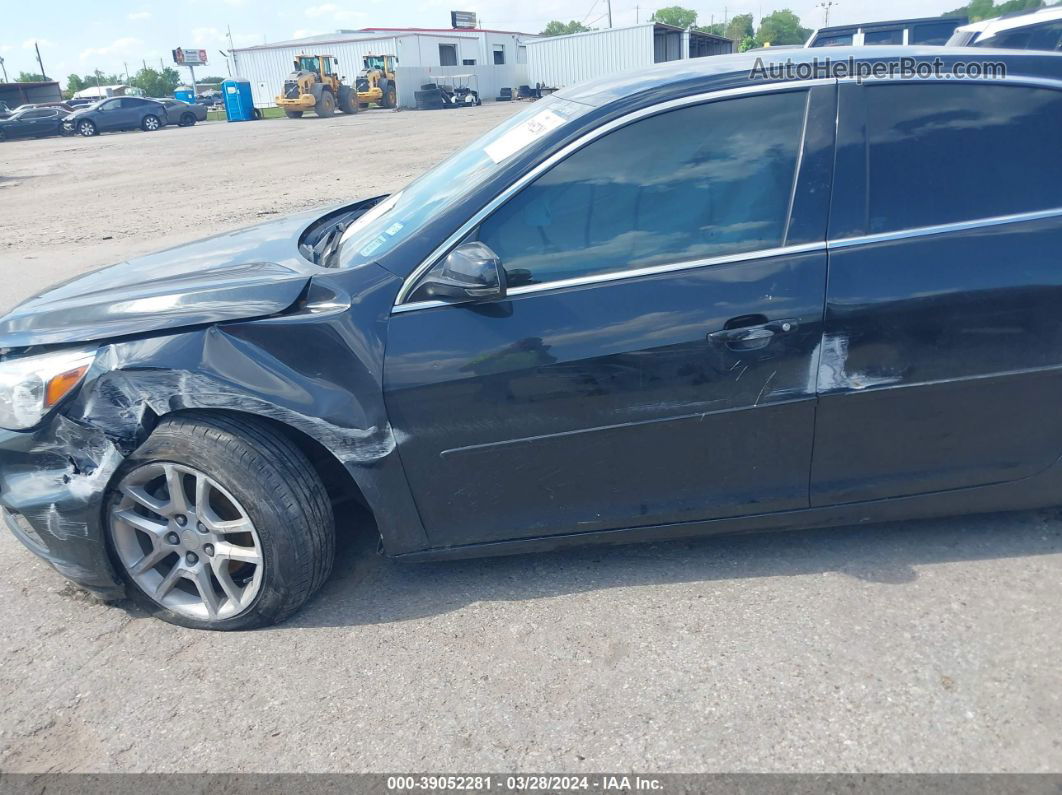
[[557, 28], [74, 84], [747, 44], [716, 29], [156, 83], [978, 10], [781, 27], [676, 16], [739, 27], [30, 77]]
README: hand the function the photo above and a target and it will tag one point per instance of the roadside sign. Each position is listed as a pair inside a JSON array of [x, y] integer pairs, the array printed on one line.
[[463, 19], [184, 57]]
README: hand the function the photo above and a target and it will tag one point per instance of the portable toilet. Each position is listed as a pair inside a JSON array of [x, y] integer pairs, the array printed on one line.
[[185, 94], [238, 103]]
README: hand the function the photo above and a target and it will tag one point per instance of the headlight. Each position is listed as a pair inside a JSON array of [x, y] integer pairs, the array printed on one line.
[[32, 385]]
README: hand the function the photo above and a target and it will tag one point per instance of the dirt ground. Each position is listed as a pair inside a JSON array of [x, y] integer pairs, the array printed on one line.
[[71, 204], [923, 646]]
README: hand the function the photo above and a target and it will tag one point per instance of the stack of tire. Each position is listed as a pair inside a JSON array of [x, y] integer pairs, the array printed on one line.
[[430, 97]]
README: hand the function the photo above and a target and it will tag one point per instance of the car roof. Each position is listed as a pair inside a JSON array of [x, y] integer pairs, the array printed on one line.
[[716, 72], [990, 27]]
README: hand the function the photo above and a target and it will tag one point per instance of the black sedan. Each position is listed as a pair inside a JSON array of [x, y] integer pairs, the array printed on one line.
[[701, 298], [33, 123]]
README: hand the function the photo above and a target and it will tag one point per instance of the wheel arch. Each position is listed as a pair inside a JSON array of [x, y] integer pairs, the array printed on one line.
[[338, 480]]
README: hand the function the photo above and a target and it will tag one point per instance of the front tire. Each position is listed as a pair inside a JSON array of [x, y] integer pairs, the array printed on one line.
[[218, 522], [326, 105], [150, 123], [293, 114], [87, 128], [186, 120]]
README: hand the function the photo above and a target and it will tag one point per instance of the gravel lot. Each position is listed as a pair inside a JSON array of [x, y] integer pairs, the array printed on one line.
[[931, 646]]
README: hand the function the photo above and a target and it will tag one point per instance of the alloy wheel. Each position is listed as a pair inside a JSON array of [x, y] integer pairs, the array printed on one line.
[[87, 128], [186, 541], [151, 123]]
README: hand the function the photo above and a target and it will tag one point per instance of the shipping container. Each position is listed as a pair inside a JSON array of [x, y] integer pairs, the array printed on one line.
[[559, 61]]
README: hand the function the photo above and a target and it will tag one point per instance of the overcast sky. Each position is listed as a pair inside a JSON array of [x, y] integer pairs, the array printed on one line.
[[79, 36]]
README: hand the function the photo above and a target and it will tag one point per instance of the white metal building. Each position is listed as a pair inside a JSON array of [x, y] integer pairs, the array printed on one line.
[[266, 65], [559, 61]]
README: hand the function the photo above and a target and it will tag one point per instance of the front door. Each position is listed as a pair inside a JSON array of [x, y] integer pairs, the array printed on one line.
[[941, 364], [110, 116], [654, 361]]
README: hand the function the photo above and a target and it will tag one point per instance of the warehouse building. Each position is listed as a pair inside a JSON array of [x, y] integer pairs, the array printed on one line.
[[496, 57], [560, 61]]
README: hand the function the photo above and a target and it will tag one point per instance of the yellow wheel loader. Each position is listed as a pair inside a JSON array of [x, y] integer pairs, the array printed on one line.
[[376, 82], [314, 85]]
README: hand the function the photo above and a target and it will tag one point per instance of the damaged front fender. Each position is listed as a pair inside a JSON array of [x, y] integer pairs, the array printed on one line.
[[317, 370]]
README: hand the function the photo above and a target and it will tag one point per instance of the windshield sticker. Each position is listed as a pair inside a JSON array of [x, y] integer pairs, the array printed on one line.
[[523, 136], [394, 228], [374, 244]]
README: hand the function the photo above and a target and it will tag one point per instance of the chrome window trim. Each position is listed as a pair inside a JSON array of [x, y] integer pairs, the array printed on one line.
[[401, 306], [579, 143], [942, 229], [631, 273]]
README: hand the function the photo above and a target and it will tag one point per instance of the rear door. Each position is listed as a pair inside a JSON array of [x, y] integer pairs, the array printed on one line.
[[652, 362], [941, 359], [132, 112]]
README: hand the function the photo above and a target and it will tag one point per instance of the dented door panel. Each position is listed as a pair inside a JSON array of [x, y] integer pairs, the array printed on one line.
[[608, 406], [941, 361]]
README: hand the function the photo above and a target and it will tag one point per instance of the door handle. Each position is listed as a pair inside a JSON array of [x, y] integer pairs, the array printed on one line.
[[753, 337]]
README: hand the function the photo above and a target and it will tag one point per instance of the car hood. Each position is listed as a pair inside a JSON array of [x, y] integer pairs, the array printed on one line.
[[249, 273]]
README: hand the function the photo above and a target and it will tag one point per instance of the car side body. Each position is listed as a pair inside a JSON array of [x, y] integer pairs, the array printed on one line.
[[839, 343], [34, 122], [183, 114], [116, 114]]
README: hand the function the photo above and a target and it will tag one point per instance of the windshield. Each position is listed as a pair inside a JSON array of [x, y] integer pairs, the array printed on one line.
[[374, 62], [308, 64], [403, 213]]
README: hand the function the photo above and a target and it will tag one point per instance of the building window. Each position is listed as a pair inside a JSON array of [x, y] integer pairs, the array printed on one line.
[[447, 55], [499, 55], [468, 62]]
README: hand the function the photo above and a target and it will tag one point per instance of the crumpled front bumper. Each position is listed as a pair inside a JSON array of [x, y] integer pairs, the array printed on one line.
[[52, 483]]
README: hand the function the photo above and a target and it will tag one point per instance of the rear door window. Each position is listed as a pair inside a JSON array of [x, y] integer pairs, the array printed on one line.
[[693, 183], [942, 153], [931, 33], [883, 36]]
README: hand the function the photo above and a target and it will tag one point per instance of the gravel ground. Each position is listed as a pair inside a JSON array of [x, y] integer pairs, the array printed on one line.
[[929, 646]]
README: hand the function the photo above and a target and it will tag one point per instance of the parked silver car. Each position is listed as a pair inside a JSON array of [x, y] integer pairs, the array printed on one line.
[[183, 114]]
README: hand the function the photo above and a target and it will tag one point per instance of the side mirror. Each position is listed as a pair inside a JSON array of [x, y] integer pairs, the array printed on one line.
[[471, 272]]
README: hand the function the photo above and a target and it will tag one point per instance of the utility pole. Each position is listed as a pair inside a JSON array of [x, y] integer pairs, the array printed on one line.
[[609, 12], [126, 65], [99, 89], [637, 10], [230, 60], [39, 62], [3, 67], [826, 5]]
